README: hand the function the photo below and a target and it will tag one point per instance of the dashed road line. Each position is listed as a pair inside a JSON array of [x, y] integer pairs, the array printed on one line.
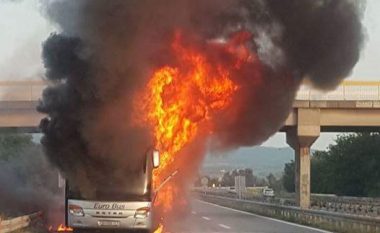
[[206, 218], [224, 226], [268, 218], [193, 212]]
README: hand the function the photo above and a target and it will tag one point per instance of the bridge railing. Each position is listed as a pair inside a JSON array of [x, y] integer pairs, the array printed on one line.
[[348, 90], [21, 90]]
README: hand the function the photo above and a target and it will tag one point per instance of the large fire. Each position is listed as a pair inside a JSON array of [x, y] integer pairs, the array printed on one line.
[[183, 99]]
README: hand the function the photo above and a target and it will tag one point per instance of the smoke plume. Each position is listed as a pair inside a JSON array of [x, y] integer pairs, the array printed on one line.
[[28, 182], [104, 53]]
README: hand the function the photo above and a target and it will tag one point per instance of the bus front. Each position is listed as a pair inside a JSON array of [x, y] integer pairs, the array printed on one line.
[[125, 206]]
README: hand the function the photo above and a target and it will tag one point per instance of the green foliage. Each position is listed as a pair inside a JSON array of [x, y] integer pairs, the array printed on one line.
[[12, 145], [250, 179], [212, 181], [271, 180], [274, 183], [356, 162], [351, 167], [288, 177], [228, 180], [27, 179]]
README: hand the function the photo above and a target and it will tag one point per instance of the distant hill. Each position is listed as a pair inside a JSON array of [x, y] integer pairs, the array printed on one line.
[[263, 160]]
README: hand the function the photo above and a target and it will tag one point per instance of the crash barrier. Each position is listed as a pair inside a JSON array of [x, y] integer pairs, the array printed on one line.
[[351, 205], [340, 204], [332, 221], [18, 223]]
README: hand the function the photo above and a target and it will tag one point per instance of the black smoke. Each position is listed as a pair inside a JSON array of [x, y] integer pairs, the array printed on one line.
[[28, 182], [104, 51], [321, 39]]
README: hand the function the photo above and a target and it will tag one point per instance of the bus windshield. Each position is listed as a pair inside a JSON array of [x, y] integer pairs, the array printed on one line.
[[136, 189]]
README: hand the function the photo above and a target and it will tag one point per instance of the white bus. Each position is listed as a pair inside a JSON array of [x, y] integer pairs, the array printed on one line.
[[114, 208]]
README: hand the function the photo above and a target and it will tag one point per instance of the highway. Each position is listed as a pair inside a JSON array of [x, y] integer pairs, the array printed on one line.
[[207, 218]]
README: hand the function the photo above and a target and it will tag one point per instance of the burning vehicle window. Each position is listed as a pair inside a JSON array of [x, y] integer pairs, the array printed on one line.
[[137, 187], [105, 194], [141, 191]]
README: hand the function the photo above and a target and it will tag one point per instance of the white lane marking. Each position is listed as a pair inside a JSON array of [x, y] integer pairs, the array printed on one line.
[[272, 219], [193, 212], [206, 218], [224, 226]]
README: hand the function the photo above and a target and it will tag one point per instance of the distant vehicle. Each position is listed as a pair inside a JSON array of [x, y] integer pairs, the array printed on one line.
[[232, 189], [268, 192], [260, 191], [114, 208]]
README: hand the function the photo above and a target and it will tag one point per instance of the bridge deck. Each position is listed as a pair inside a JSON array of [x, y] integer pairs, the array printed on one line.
[[353, 106]]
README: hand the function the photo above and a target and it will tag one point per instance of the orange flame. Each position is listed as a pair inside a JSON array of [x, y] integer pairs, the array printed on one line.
[[63, 228], [181, 99], [160, 229]]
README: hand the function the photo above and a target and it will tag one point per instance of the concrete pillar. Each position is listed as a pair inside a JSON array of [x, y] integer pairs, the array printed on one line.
[[300, 138], [303, 176]]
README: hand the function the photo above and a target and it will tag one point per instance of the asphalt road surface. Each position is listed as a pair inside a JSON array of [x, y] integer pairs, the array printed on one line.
[[206, 217]]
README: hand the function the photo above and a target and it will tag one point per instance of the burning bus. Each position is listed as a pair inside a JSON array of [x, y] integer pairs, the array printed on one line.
[[222, 75], [115, 206]]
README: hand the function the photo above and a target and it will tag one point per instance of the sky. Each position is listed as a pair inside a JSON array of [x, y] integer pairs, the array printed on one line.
[[23, 29]]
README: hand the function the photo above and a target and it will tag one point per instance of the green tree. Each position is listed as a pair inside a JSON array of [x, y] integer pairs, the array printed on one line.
[[275, 183], [288, 177], [213, 182], [271, 180], [228, 179], [12, 145], [322, 174], [356, 162], [27, 179], [351, 167], [250, 179]]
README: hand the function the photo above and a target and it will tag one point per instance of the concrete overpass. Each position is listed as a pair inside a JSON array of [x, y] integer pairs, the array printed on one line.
[[18, 101], [352, 107]]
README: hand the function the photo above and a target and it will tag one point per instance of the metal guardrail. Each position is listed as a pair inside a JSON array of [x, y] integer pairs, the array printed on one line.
[[336, 222], [348, 90], [348, 205], [18, 223]]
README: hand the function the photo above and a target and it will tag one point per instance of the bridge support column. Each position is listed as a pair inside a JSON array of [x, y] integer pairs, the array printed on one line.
[[300, 138]]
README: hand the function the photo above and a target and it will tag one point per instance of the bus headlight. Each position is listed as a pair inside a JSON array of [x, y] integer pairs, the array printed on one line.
[[76, 210], [142, 212]]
